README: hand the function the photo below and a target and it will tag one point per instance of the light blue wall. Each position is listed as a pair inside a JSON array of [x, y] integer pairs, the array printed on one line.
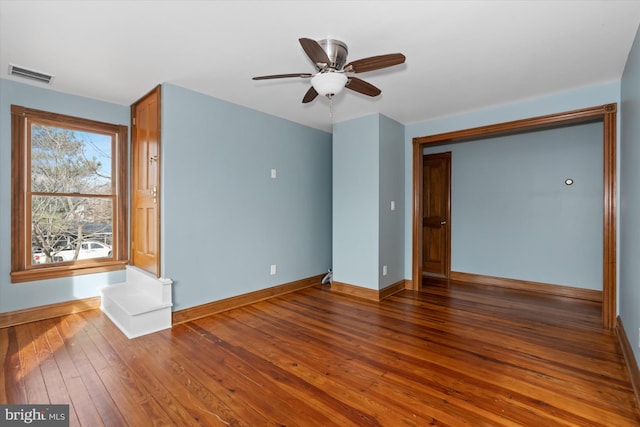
[[225, 221], [629, 254], [368, 174], [391, 189], [566, 101], [24, 295], [356, 176], [514, 217]]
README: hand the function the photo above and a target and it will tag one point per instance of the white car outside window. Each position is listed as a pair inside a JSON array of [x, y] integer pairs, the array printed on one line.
[[88, 250]]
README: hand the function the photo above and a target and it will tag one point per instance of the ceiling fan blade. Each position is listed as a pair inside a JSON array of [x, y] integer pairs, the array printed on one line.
[[363, 87], [375, 63], [310, 95], [315, 52], [283, 76]]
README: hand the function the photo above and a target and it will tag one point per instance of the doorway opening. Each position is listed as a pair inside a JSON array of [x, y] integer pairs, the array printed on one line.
[[604, 113]]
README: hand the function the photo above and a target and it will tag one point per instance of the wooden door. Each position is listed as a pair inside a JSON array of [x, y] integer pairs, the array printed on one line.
[[436, 203], [145, 183]]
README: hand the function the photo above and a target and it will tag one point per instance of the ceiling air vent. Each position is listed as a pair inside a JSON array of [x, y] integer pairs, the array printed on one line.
[[15, 70]]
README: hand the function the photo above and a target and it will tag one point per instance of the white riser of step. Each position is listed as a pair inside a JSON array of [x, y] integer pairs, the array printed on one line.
[[138, 325], [133, 299]]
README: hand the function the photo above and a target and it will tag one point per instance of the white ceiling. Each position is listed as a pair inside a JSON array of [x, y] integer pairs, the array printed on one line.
[[461, 55]]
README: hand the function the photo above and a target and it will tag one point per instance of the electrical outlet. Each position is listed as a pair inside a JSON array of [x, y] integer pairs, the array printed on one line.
[[638, 337], [273, 269], [384, 270]]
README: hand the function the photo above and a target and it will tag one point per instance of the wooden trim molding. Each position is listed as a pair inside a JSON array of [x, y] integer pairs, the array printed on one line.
[[33, 314], [416, 252], [525, 285], [355, 291], [67, 271], [606, 114], [585, 115], [609, 273], [203, 310], [392, 289], [629, 358], [366, 293]]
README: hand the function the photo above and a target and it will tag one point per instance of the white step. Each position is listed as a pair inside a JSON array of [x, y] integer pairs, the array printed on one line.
[[139, 306]]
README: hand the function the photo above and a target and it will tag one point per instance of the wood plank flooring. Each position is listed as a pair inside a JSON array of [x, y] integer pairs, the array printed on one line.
[[457, 356]]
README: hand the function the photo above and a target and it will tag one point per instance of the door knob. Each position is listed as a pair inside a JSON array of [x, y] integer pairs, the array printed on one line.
[[443, 222]]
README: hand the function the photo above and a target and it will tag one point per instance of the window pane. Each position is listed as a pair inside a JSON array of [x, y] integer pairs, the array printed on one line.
[[69, 161], [70, 228]]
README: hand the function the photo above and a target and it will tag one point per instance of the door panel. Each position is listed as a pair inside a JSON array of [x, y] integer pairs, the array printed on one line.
[[145, 212], [435, 215]]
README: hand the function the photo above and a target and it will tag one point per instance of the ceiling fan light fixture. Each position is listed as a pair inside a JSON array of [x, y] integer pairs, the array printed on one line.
[[329, 84], [329, 57]]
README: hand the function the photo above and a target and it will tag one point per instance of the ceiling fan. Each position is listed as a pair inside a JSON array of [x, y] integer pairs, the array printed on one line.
[[329, 57]]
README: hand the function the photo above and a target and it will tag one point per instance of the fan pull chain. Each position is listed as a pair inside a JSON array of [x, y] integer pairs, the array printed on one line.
[[331, 108]]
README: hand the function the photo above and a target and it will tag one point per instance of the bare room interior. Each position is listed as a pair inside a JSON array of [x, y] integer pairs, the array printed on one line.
[[320, 213]]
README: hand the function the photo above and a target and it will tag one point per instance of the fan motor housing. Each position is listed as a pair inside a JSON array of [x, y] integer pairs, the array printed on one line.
[[336, 51]]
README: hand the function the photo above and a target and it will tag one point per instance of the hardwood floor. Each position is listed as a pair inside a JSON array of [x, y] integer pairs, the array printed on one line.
[[455, 356]]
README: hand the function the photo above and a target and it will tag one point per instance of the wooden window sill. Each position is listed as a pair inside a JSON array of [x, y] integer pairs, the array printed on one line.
[[66, 271]]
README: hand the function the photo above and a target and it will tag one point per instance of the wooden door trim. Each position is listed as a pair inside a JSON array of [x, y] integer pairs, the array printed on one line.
[[157, 91], [607, 114]]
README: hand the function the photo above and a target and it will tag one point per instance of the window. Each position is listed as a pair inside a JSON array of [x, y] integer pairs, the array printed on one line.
[[69, 181]]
